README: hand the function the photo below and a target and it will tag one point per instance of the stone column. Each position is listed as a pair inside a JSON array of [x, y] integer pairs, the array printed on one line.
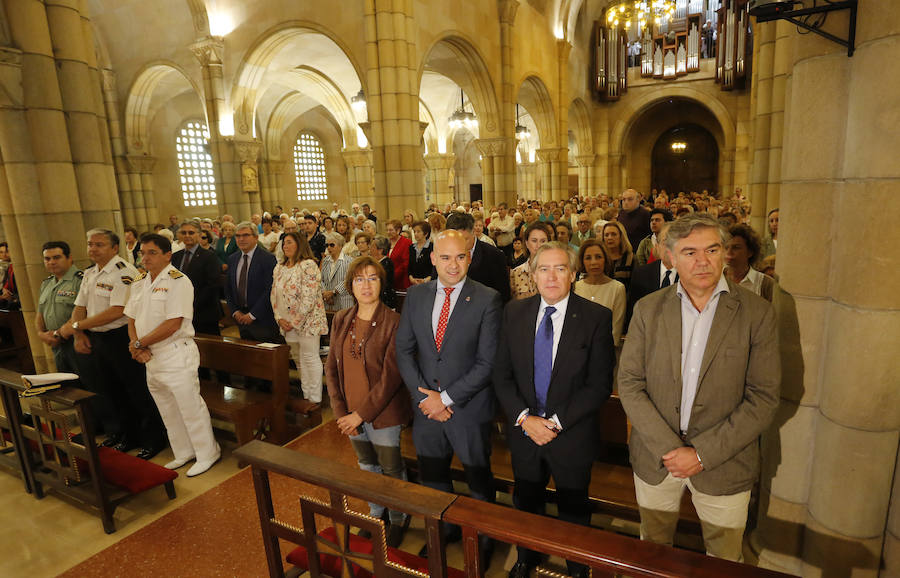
[[505, 163], [527, 180], [830, 464], [119, 149], [359, 174], [773, 44], [439, 176], [494, 177], [140, 169], [210, 52], [393, 104], [266, 183], [546, 158], [585, 170], [82, 105], [561, 164]]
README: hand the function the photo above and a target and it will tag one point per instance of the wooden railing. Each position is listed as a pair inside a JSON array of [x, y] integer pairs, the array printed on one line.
[[608, 554]]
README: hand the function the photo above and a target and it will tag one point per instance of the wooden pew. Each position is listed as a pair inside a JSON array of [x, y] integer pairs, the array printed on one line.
[[612, 482], [75, 468], [608, 554], [13, 322], [255, 414]]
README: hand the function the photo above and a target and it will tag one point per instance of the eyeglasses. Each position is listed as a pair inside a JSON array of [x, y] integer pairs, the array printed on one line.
[[360, 280]]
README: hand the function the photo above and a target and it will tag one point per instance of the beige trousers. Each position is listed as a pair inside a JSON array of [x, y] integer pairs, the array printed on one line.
[[722, 518]]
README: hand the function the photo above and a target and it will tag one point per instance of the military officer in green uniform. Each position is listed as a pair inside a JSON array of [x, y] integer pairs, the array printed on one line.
[[57, 300]]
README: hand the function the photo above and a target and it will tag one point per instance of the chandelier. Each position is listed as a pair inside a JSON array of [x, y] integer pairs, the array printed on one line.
[[640, 12], [463, 118], [679, 146], [522, 131]]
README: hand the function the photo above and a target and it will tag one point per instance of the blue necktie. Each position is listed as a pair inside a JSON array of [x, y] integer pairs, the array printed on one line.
[[543, 359]]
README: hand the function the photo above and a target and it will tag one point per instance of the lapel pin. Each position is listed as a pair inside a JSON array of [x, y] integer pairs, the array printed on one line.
[[468, 299]]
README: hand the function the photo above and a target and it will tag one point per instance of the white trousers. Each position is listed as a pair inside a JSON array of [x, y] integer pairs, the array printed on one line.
[[305, 352], [173, 383]]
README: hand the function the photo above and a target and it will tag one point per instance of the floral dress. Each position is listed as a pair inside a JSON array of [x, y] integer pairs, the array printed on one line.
[[297, 297]]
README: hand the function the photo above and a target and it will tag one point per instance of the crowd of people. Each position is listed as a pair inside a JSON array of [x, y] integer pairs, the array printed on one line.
[[432, 321]]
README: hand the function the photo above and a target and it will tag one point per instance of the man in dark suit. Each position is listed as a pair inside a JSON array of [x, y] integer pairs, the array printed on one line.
[[446, 344], [553, 372], [651, 277], [249, 286], [488, 263], [202, 268]]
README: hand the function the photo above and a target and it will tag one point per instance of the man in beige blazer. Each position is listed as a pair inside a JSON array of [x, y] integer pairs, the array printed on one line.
[[699, 378]]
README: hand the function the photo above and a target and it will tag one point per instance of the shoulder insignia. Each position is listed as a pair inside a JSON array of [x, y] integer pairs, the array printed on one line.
[[91, 266], [79, 274], [127, 279], [121, 265], [175, 273], [141, 276]]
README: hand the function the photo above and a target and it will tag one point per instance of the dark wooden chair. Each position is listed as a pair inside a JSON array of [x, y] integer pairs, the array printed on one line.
[[255, 414], [55, 457]]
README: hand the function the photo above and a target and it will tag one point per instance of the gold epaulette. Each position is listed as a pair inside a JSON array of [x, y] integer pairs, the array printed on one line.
[[175, 273]]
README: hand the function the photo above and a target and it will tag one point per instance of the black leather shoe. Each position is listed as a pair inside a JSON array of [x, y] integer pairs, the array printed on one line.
[[396, 533], [423, 553], [112, 441], [364, 534], [150, 452], [126, 445], [520, 570]]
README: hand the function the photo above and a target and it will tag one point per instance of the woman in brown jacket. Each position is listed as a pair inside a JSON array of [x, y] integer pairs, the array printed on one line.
[[370, 403]]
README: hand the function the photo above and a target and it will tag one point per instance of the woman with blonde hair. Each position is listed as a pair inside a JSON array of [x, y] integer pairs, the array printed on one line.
[[618, 248], [300, 310]]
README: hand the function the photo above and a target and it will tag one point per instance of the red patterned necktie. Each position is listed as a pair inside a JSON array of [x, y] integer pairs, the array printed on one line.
[[442, 321]]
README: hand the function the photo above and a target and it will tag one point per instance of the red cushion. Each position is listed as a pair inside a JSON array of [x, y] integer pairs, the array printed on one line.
[[132, 473], [331, 565]]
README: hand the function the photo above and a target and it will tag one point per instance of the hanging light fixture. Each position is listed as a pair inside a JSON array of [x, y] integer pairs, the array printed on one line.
[[462, 118], [358, 101], [522, 131], [641, 13], [679, 146]]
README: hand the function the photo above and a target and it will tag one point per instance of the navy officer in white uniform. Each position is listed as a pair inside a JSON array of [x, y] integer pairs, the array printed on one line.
[[159, 325]]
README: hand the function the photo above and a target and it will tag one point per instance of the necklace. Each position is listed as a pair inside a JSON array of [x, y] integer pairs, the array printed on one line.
[[356, 348]]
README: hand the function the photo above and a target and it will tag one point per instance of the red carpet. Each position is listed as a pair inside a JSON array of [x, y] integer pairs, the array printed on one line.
[[217, 533]]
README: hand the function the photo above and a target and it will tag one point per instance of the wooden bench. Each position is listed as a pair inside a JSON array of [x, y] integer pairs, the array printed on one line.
[[74, 468], [608, 554], [612, 483], [18, 347], [255, 414]]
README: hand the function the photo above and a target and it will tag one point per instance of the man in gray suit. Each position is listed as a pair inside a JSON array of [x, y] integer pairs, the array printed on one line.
[[699, 378], [446, 345]]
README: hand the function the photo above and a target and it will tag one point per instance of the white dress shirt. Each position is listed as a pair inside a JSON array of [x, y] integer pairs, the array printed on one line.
[[673, 277], [695, 326], [439, 297]]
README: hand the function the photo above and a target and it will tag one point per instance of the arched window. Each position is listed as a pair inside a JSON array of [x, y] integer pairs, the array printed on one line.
[[198, 184], [309, 167]]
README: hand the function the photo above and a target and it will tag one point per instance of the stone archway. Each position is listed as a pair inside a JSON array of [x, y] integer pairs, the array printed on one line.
[[632, 140], [685, 158], [451, 70]]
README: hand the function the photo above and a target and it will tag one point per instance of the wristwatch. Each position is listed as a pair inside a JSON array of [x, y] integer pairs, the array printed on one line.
[[75, 326], [137, 344], [56, 334]]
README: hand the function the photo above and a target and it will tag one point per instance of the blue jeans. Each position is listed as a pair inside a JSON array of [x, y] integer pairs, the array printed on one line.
[[378, 451]]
